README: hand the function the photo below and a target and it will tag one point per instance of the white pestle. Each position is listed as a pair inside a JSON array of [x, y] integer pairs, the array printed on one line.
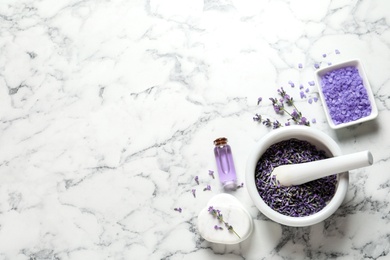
[[296, 174]]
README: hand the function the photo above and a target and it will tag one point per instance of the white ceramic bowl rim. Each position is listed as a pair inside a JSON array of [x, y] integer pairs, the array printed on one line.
[[322, 142]]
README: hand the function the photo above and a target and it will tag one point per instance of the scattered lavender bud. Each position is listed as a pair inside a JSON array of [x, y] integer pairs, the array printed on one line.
[[300, 65], [259, 100], [208, 187], [324, 55], [301, 86], [257, 118], [315, 99], [329, 63], [276, 124], [314, 121], [302, 95], [310, 101], [291, 83], [307, 90], [216, 227], [337, 51], [304, 121], [211, 173], [287, 123], [178, 210], [267, 122], [311, 83], [197, 180], [240, 186], [316, 66], [193, 191]]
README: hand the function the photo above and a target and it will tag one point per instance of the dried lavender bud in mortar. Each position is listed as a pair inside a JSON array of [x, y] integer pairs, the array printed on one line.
[[299, 200]]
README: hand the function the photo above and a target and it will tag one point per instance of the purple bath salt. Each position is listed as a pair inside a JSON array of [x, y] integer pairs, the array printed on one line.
[[345, 95]]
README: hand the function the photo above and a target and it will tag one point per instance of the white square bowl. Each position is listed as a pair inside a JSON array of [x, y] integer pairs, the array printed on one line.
[[351, 63]]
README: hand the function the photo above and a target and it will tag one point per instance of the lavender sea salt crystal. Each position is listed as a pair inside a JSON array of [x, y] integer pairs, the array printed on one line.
[[345, 95]]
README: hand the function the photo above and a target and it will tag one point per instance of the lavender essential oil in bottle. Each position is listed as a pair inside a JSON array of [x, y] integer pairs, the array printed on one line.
[[225, 164]]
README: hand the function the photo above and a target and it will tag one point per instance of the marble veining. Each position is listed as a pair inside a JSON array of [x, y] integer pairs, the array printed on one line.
[[108, 110]]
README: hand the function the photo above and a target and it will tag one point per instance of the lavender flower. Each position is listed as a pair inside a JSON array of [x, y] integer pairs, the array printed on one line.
[[196, 179], [257, 118], [279, 108], [304, 121], [259, 100], [216, 227], [193, 191], [208, 187], [217, 214], [267, 122], [276, 124], [211, 173]]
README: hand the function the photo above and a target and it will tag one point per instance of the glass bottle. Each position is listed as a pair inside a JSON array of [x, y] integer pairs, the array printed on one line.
[[225, 164]]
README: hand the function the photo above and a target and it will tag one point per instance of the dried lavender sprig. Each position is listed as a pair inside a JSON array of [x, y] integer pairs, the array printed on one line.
[[217, 214]]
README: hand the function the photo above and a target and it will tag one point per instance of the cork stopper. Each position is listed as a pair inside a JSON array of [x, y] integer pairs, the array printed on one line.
[[220, 141]]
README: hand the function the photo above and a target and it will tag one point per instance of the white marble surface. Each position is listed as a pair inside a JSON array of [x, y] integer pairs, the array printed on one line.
[[108, 110]]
